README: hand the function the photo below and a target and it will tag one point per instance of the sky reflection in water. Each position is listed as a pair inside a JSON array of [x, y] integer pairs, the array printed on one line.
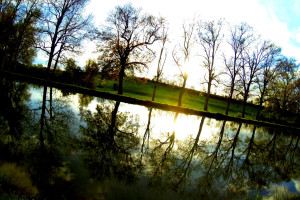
[[180, 152]]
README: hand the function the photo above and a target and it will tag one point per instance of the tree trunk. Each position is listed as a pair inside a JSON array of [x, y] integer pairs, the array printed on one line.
[[259, 108], [244, 106], [182, 91], [49, 64], [56, 62], [154, 89], [121, 76], [229, 100], [207, 96], [245, 100]]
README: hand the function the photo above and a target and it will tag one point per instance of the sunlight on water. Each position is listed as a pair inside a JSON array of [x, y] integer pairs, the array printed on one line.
[[184, 126]]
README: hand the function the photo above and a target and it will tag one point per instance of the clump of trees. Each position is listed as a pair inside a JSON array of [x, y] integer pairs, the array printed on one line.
[[283, 93]]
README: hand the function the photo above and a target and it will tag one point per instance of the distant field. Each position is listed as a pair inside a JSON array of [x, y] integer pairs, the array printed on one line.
[[168, 95]]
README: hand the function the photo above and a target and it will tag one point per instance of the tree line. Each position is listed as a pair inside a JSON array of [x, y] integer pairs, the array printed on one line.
[[252, 66]]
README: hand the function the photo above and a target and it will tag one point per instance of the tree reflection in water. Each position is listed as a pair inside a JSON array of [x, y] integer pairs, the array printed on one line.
[[109, 140], [42, 146], [231, 164], [13, 114], [146, 138], [52, 141], [33, 144]]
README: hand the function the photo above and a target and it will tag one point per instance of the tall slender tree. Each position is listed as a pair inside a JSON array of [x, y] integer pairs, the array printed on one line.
[[185, 49], [210, 37], [161, 60]]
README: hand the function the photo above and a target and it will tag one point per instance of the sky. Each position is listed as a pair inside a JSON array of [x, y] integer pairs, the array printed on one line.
[[275, 20]]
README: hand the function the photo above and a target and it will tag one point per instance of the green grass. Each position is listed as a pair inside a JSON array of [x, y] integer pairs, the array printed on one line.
[[168, 95]]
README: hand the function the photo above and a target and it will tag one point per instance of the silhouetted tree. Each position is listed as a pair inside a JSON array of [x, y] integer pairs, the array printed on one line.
[[210, 37], [240, 38], [127, 37], [252, 61], [296, 100], [266, 75], [185, 49], [63, 28], [161, 60]]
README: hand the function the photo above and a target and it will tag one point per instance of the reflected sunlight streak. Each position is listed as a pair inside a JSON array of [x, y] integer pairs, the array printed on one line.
[[185, 126]]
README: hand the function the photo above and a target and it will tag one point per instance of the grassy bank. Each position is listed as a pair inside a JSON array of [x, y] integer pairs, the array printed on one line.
[[169, 95]]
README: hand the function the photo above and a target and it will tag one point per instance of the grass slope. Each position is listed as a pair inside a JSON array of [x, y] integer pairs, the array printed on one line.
[[169, 95]]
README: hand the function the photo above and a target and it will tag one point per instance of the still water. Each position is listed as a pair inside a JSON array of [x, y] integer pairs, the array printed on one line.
[[72, 146]]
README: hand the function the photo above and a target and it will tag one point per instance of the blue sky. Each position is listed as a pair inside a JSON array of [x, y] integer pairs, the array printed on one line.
[[287, 12]]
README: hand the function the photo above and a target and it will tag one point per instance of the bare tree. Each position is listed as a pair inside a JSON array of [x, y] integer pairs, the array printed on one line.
[[161, 60], [266, 75], [252, 60], [188, 31], [210, 37], [128, 36], [63, 28], [240, 38]]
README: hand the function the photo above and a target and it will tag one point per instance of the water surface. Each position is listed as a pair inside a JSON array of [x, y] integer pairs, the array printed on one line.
[[73, 146]]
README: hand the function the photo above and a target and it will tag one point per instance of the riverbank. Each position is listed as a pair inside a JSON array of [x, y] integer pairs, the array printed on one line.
[[108, 94]]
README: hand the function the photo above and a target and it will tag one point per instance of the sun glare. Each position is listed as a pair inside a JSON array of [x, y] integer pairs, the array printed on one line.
[[184, 126], [189, 68]]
